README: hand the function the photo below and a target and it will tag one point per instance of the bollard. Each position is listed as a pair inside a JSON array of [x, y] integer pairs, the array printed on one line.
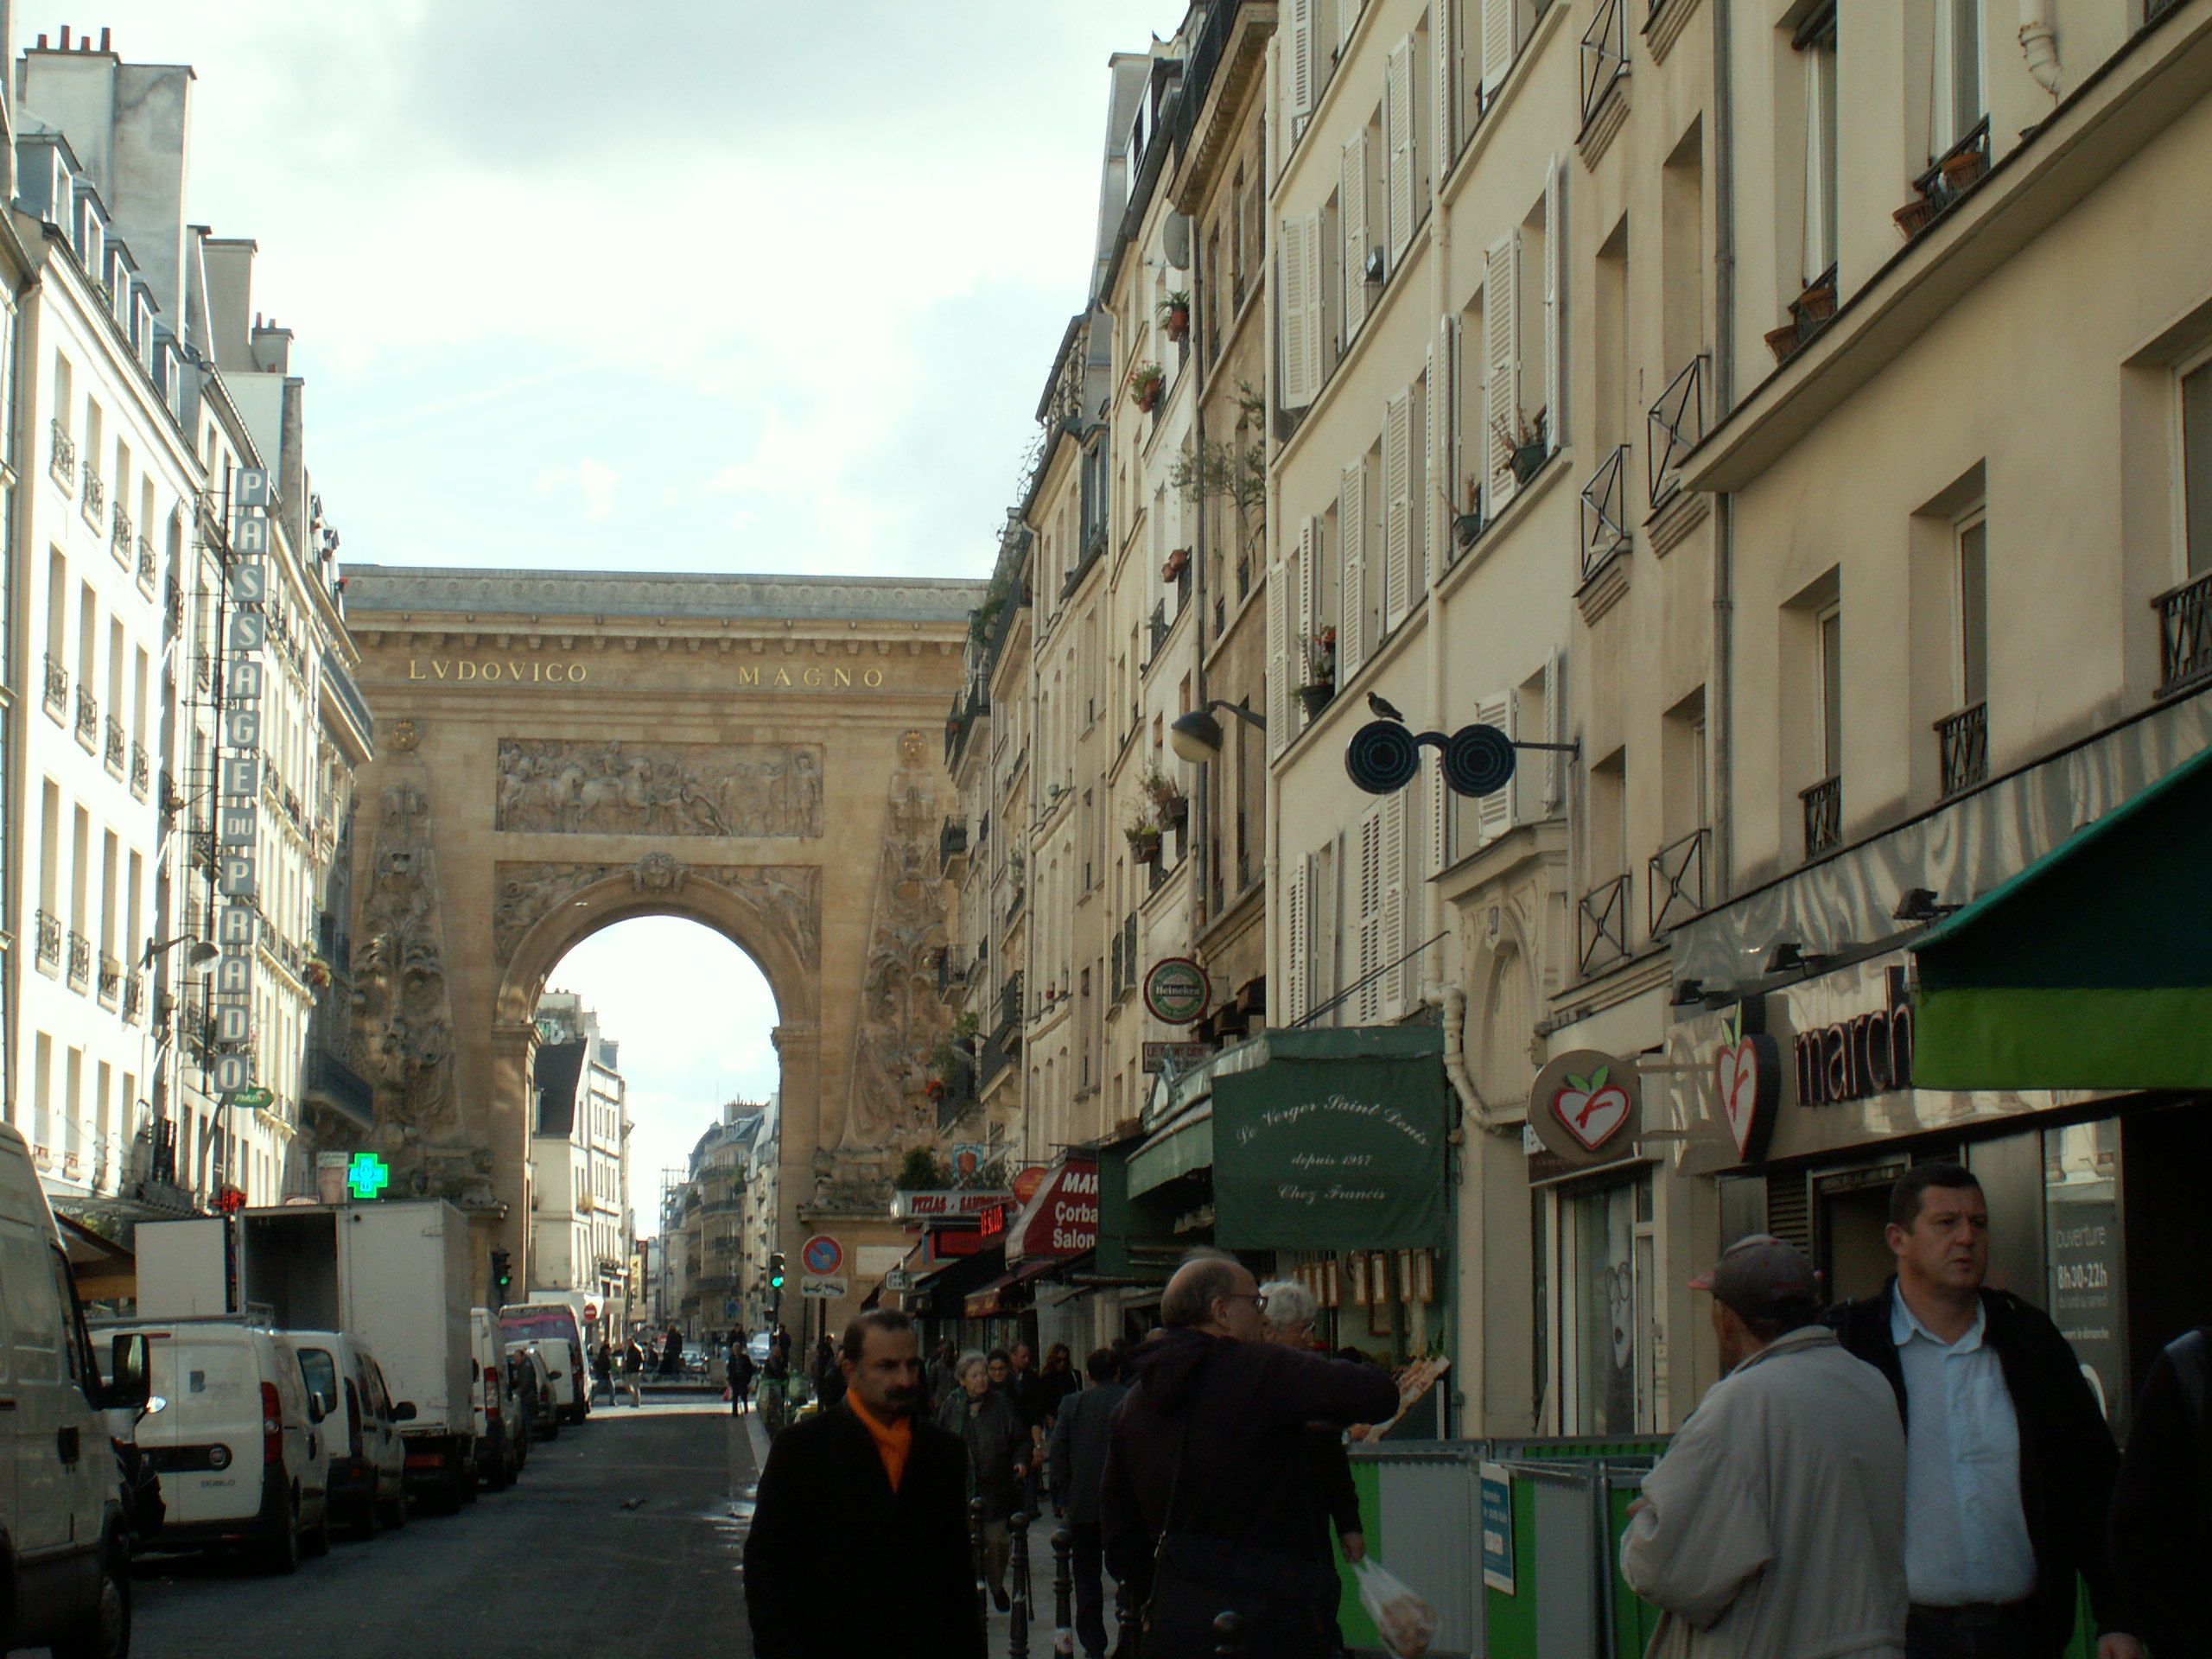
[[976, 1554], [1017, 1641], [1064, 1592], [1231, 1629]]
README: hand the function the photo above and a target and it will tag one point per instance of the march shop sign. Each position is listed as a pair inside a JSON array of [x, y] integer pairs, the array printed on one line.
[[1336, 1141]]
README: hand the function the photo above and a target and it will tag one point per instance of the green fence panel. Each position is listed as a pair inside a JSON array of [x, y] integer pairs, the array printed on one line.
[[1510, 1622], [1358, 1629], [1634, 1618]]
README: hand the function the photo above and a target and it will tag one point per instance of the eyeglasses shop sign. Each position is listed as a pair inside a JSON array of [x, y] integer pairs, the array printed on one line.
[[1355, 1161]]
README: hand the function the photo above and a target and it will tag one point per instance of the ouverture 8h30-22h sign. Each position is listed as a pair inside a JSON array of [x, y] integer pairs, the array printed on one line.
[[1336, 1143]]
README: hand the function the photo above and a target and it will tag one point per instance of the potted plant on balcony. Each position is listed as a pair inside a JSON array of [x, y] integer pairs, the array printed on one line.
[[1468, 526], [317, 973], [1523, 439], [1175, 314], [1144, 840], [1963, 170], [1174, 806], [1320, 682], [1175, 565], [1146, 384]]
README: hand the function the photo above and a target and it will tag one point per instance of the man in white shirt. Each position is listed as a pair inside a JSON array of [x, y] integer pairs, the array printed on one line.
[[2009, 1463]]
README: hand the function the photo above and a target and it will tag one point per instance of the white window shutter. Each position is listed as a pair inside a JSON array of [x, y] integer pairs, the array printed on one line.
[[1397, 511], [1444, 40], [1301, 64], [1445, 423], [1294, 946], [1497, 44], [1324, 880], [1555, 305], [1430, 563], [1439, 810], [1351, 557], [1393, 903], [1293, 303], [1312, 279], [1309, 594], [1370, 916], [1398, 128], [1502, 324], [1494, 814], [1554, 732], [1347, 20], [1352, 208], [1279, 699]]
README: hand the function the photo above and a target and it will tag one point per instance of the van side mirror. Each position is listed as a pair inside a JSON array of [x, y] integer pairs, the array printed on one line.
[[403, 1412], [131, 1366]]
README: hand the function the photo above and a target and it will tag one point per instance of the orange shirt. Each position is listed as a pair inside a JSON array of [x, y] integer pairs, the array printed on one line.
[[892, 1441]]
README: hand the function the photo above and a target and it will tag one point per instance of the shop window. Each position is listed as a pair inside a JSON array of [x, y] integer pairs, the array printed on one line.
[[1608, 1244], [2082, 1237]]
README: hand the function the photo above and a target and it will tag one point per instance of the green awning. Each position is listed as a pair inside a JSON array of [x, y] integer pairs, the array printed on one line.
[[1182, 1146], [2092, 968], [1335, 1141]]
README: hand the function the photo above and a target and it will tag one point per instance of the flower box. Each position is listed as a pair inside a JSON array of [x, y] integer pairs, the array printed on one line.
[[1317, 696]]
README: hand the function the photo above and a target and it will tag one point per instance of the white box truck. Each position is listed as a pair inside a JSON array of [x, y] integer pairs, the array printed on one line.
[[395, 1274]]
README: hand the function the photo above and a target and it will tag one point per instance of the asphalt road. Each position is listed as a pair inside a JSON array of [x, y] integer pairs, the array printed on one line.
[[622, 1538]]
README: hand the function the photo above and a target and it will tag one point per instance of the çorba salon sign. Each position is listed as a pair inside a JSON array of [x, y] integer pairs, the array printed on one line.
[[514, 670]]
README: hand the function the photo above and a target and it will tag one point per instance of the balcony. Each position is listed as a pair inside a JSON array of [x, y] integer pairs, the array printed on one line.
[[1823, 804], [141, 770], [146, 566], [116, 751], [49, 941], [80, 961], [1674, 427], [1601, 925], [2184, 635], [1947, 181], [951, 846], [88, 720], [57, 687], [1674, 887], [110, 991], [338, 680], [1604, 513], [1605, 56], [1963, 740], [172, 609], [94, 499], [134, 998], [120, 536], [63, 463]]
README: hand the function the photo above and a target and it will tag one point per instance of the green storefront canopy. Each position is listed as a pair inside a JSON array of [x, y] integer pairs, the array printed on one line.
[[2092, 968], [1335, 1141]]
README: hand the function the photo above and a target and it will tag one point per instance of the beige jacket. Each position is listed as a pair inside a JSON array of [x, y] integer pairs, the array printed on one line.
[[1774, 1526]]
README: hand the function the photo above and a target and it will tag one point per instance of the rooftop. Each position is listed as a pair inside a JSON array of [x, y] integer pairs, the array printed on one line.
[[374, 590]]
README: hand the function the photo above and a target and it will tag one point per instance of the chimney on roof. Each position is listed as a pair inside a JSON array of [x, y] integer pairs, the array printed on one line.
[[42, 42], [65, 37], [107, 35]]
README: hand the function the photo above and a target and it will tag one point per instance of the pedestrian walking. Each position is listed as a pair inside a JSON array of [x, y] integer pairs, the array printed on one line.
[[1774, 1524], [740, 1378], [1055, 1380], [1205, 1472], [1289, 1310], [602, 1371], [2008, 1465], [828, 1379], [942, 1361], [671, 1353], [775, 1390], [1078, 1462], [859, 1542], [633, 1371], [2162, 1501], [997, 1443]]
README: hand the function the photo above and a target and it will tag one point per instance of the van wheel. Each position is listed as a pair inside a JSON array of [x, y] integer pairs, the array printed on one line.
[[281, 1554], [105, 1633]]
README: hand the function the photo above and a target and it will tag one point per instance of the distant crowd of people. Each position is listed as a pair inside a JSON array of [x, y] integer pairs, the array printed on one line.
[[1922, 1473]]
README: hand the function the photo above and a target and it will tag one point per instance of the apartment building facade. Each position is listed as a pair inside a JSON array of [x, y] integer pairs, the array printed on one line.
[[582, 1226]]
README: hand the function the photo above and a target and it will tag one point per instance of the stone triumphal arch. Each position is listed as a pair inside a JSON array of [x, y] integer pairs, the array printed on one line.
[[558, 751]]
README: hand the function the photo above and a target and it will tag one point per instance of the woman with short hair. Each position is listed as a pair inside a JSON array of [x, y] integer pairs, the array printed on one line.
[[998, 1451]]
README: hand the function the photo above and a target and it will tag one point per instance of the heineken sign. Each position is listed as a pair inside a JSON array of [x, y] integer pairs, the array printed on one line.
[[238, 788], [1177, 991]]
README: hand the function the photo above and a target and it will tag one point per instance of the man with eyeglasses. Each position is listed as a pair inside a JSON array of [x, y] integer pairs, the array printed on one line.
[[1206, 1472]]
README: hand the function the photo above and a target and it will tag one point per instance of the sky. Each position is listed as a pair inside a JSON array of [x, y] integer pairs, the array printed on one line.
[[672, 285]]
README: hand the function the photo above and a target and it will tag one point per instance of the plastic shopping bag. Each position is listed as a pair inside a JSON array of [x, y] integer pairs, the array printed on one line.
[[1405, 1623]]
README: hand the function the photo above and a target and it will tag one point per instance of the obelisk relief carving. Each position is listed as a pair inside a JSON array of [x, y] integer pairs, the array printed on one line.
[[900, 1017]]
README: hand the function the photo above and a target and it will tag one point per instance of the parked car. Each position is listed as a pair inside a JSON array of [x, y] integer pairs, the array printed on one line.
[[368, 1460], [554, 1322], [757, 1346], [65, 1563], [240, 1448], [497, 1464], [540, 1380]]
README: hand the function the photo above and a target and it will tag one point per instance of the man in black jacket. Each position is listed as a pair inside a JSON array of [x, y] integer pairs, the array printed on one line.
[[1207, 1466], [1078, 1455], [2008, 1462], [860, 1529]]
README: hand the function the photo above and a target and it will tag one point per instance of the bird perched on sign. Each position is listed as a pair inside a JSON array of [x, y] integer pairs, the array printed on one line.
[[1385, 707]]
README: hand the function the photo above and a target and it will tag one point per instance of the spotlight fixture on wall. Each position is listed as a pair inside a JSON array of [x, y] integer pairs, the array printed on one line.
[[1920, 904]]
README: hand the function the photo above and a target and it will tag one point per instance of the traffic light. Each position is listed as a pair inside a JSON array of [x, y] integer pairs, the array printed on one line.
[[502, 1273], [776, 1270]]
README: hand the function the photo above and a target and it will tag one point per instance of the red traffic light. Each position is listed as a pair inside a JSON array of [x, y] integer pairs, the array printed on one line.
[[230, 1199]]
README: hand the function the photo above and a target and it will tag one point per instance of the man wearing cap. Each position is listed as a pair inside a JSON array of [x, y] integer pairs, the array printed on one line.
[[1774, 1524]]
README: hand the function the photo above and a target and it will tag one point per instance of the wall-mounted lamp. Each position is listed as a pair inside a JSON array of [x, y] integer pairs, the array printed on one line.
[[199, 956], [1689, 994], [1920, 904], [1197, 737]]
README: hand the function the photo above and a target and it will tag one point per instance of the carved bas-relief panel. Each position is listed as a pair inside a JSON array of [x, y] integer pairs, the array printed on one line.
[[400, 997], [786, 899], [549, 786]]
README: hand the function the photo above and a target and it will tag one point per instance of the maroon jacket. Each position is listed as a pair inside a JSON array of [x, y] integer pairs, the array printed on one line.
[[1234, 1416]]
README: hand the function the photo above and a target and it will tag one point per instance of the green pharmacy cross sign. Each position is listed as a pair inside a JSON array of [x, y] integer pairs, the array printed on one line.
[[367, 1176]]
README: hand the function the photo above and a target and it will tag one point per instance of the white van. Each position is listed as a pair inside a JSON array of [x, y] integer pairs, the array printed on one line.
[[542, 1409], [498, 1459], [65, 1568], [368, 1459], [242, 1451]]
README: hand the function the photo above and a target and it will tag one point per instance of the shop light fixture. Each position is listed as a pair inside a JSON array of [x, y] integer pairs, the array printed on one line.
[[1920, 904]]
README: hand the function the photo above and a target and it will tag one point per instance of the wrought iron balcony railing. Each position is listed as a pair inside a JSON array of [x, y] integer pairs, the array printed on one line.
[[2184, 634], [133, 997], [146, 565], [64, 463], [110, 990], [95, 496], [116, 752], [88, 717], [1674, 887], [1823, 804], [141, 770], [1675, 428], [80, 960], [49, 939], [1601, 924], [57, 687], [1963, 741], [1604, 513], [1604, 55], [120, 535]]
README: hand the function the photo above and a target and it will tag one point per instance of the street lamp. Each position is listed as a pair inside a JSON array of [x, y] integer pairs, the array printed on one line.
[[1197, 736], [199, 956]]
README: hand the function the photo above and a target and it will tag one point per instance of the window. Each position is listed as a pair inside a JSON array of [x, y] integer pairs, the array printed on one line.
[[1973, 610], [1830, 624], [1608, 1263], [2196, 467], [1816, 44], [1959, 101]]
